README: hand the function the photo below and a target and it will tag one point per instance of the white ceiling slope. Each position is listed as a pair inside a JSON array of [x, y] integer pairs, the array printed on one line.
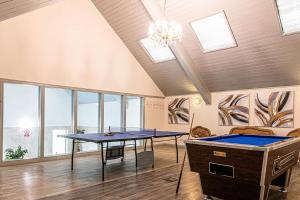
[[263, 57]]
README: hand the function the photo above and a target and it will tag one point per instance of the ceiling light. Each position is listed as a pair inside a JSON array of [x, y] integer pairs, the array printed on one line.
[[156, 53], [214, 32], [289, 15], [165, 32]]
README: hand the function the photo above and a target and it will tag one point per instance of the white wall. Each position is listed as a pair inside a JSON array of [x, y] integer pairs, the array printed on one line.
[[154, 113], [70, 44], [207, 115]]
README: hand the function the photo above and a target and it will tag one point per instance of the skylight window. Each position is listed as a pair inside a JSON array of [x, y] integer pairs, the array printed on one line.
[[289, 15], [156, 52], [214, 32]]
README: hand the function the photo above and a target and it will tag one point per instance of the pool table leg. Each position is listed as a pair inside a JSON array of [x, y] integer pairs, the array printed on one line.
[[287, 178], [206, 197], [283, 181]]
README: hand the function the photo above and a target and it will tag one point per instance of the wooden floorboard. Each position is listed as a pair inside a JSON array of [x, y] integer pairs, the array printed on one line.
[[54, 180], [157, 184], [33, 181]]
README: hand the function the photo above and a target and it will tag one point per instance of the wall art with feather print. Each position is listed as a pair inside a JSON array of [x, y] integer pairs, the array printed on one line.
[[179, 111], [233, 110], [274, 109]]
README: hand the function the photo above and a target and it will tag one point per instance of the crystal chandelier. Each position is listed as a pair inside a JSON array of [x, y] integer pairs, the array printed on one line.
[[165, 32]]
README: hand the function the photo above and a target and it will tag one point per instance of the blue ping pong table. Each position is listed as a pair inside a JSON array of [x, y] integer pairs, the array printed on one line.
[[122, 136]]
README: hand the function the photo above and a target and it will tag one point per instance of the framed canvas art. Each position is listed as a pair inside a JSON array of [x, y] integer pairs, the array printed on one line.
[[179, 111], [233, 110], [274, 109]]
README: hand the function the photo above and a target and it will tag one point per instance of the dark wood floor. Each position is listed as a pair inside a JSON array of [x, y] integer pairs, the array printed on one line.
[[157, 185], [54, 181]]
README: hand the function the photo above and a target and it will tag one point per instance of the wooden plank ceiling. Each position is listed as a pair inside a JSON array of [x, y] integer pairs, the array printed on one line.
[[186, 63], [263, 58], [130, 21], [13, 8]]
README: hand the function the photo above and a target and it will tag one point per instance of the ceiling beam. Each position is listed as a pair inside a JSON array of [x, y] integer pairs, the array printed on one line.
[[183, 58]]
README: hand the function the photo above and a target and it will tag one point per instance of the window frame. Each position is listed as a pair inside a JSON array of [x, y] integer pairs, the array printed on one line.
[[73, 114]]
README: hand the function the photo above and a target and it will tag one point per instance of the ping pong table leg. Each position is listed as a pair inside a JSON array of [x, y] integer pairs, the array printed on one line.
[[152, 149], [152, 144], [145, 147], [72, 158], [102, 161], [136, 160], [176, 149]]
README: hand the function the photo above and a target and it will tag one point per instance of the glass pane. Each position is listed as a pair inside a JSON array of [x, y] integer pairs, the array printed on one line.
[[214, 32], [157, 52], [289, 11], [21, 129], [87, 117], [112, 111], [58, 120], [112, 114], [133, 115], [133, 112]]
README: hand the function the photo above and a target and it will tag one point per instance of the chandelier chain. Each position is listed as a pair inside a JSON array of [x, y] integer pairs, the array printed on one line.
[[165, 3]]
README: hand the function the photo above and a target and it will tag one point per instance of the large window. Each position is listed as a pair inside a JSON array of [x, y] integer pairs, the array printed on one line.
[[58, 120], [112, 111], [134, 114], [21, 129], [26, 136], [87, 117]]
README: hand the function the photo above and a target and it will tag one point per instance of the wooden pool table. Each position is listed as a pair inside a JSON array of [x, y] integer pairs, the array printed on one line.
[[242, 167]]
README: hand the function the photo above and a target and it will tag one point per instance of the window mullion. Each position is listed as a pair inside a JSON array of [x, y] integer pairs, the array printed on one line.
[[142, 114], [74, 111], [123, 111], [42, 121], [1, 121]]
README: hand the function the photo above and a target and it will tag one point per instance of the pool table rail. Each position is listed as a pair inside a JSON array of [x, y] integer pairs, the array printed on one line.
[[268, 147]]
